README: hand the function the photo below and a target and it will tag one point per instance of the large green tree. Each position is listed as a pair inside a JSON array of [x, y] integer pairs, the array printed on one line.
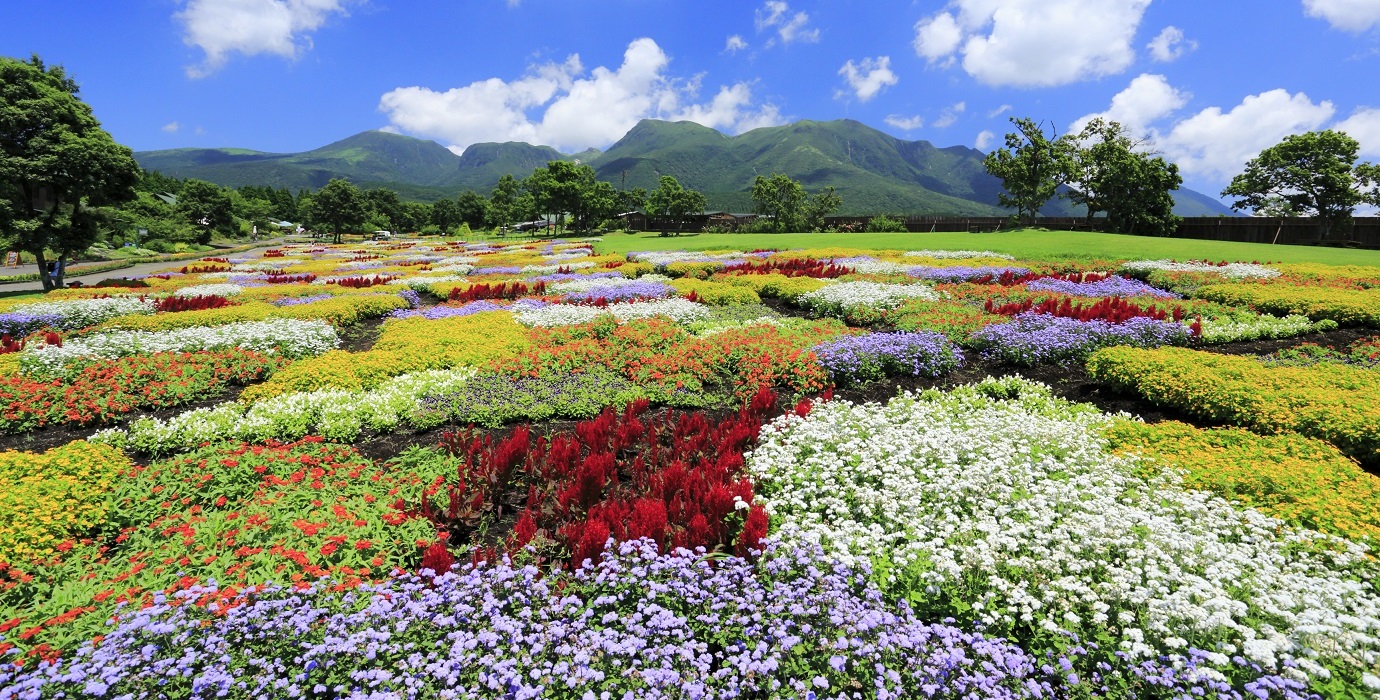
[[472, 208], [1315, 173], [510, 203], [820, 205], [781, 200], [1032, 167], [207, 207], [1111, 176], [340, 207], [672, 202], [55, 161]]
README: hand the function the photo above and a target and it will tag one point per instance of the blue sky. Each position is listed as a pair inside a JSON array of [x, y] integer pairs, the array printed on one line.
[[1209, 83]]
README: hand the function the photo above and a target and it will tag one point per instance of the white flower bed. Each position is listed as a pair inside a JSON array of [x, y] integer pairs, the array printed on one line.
[[1249, 326], [283, 336], [957, 254], [868, 265], [335, 414], [549, 269], [678, 310], [882, 296], [1234, 271], [420, 284], [262, 266], [660, 259], [572, 286], [201, 290], [80, 313], [1015, 508]]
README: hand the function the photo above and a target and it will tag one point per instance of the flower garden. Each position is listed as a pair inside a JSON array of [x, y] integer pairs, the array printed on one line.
[[435, 469]]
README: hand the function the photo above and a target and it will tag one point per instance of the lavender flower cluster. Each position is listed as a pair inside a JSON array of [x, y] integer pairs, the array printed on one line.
[[1033, 339], [498, 270], [412, 297], [861, 358], [296, 301], [635, 624], [962, 273], [19, 324], [570, 276], [623, 292], [442, 311], [1114, 286]]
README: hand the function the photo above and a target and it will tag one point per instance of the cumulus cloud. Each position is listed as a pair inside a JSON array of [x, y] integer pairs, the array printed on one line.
[[984, 140], [1364, 126], [1170, 44], [868, 77], [171, 127], [949, 115], [1008, 42], [1347, 15], [221, 28], [1217, 144], [905, 123], [735, 44], [776, 15], [1148, 99], [560, 105]]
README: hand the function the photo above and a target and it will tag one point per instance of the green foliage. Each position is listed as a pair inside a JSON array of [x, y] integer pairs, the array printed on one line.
[[1032, 167], [1313, 173], [781, 200], [819, 206], [206, 207], [885, 224], [55, 161], [339, 206], [1130, 187], [671, 201], [472, 208]]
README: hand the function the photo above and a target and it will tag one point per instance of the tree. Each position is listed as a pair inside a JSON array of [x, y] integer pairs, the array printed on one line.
[[505, 205], [55, 160], [819, 206], [1031, 167], [207, 207], [1316, 173], [1368, 183], [780, 199], [598, 201], [445, 215], [472, 208], [386, 208], [672, 201], [340, 206], [1131, 187]]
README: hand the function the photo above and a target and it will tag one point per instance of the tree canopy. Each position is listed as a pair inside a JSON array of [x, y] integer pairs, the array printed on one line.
[[672, 201], [340, 206], [780, 199], [1311, 174], [55, 162], [1032, 167], [1110, 175]]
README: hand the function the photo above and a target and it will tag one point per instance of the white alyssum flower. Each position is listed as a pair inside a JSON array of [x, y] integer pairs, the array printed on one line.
[[549, 269], [336, 414], [1234, 271], [284, 336], [661, 258], [202, 290], [677, 309], [421, 283], [262, 266], [584, 285], [1014, 505], [1228, 329], [957, 254], [80, 313], [883, 296]]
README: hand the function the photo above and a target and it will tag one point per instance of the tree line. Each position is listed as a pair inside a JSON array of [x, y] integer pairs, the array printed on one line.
[[1126, 188]]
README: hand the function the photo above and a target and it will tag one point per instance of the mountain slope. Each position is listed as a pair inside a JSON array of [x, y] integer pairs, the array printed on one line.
[[873, 171]]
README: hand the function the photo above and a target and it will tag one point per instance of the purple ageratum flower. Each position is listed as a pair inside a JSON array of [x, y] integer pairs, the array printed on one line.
[[570, 276], [443, 311], [18, 325], [866, 357], [295, 301], [962, 273], [499, 270], [528, 304], [636, 623], [413, 299], [623, 292], [1034, 339], [1114, 286]]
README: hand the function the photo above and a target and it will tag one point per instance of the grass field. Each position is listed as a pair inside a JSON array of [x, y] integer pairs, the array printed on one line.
[[1027, 243]]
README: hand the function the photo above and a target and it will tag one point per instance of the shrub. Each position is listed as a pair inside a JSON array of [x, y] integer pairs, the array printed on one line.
[[1348, 307], [693, 270], [52, 498], [885, 224]]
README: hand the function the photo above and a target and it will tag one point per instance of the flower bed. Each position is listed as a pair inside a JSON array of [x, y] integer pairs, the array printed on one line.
[[51, 498], [1348, 307], [861, 358], [1035, 338]]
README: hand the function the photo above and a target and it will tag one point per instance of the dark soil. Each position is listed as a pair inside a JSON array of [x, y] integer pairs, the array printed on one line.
[[361, 336]]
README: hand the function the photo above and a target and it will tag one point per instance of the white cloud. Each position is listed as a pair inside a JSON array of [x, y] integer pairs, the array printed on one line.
[[869, 76], [905, 123], [558, 104], [1148, 99], [984, 140], [949, 115], [250, 27], [1216, 144], [171, 127], [1169, 45], [1013, 42], [776, 14], [998, 111], [735, 44], [1364, 126], [1348, 15]]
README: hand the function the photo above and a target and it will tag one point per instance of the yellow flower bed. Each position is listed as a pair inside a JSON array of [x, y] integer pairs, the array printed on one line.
[[694, 270], [1336, 403], [343, 310], [633, 270], [1302, 481], [716, 293], [1349, 276], [774, 285], [405, 345], [9, 364], [53, 497], [1348, 307]]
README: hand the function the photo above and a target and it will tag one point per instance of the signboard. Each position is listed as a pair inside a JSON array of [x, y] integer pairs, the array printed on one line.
[[12, 259]]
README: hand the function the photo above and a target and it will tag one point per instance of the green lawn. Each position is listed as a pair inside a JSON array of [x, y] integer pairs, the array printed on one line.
[[1025, 244]]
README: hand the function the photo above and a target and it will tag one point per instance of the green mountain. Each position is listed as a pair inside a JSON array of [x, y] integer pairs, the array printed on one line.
[[872, 171]]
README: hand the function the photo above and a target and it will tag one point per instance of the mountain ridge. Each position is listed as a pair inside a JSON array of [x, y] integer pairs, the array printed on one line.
[[873, 171]]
